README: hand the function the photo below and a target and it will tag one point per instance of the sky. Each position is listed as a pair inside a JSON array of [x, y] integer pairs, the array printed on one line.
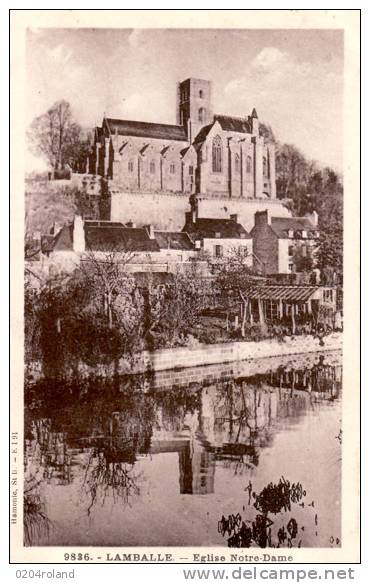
[[294, 78]]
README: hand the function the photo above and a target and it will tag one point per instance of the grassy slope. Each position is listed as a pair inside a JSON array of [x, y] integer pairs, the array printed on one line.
[[47, 202]]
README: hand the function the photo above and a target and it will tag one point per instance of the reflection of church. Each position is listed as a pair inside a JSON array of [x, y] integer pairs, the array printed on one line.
[[230, 421], [179, 434], [197, 470]]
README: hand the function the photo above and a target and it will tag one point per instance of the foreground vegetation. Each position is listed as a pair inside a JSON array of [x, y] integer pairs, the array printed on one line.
[[101, 313]]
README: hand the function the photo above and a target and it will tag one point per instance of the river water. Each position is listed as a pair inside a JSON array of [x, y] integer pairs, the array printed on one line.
[[247, 454]]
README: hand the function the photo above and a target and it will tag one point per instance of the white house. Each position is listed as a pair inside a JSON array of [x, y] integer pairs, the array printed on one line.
[[219, 237]]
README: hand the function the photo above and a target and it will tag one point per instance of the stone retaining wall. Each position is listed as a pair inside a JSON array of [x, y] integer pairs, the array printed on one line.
[[209, 354], [186, 377], [180, 366]]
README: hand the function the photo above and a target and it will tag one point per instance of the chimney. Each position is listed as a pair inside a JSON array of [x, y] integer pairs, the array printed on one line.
[[262, 218], [78, 235], [314, 217], [234, 218], [190, 217], [150, 231]]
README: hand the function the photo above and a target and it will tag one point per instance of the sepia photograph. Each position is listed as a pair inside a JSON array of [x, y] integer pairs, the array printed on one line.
[[183, 290]]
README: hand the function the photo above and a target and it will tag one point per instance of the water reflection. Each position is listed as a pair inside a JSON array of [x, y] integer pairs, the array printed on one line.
[[272, 500], [109, 444]]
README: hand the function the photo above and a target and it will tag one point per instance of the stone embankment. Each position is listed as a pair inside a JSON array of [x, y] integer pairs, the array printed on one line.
[[180, 366], [209, 354]]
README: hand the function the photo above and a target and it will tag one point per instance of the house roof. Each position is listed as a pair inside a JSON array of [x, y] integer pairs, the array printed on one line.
[[108, 237], [281, 225], [282, 292], [207, 228], [47, 243], [174, 240], [146, 130], [234, 124], [64, 239], [33, 250]]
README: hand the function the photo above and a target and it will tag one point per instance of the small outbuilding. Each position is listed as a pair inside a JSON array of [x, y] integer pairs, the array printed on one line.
[[294, 304]]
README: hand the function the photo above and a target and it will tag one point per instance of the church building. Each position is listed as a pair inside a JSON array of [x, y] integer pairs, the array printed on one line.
[[210, 155]]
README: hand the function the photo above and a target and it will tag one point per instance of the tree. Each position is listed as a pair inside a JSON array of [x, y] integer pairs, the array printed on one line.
[[330, 251], [265, 130], [233, 277], [292, 170], [92, 316], [110, 283], [49, 308], [172, 309], [56, 137], [309, 187]]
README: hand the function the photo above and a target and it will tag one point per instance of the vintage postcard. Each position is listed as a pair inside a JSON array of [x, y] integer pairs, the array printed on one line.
[[185, 286]]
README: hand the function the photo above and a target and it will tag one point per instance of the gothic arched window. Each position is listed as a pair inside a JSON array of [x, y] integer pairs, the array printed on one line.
[[265, 166], [201, 94], [201, 114], [249, 164], [237, 163], [217, 154]]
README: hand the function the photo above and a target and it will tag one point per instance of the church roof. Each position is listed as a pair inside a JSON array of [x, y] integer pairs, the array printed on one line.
[[143, 129], [202, 134], [164, 150], [184, 151], [234, 124]]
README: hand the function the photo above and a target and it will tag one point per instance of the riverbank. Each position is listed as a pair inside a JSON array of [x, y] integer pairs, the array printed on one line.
[[195, 375], [168, 361], [209, 354]]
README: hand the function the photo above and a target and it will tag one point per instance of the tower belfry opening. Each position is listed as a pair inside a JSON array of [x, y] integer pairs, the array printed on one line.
[[194, 105]]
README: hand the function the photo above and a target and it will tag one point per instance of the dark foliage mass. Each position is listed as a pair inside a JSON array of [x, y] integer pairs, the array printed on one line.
[[274, 499], [306, 186], [100, 313]]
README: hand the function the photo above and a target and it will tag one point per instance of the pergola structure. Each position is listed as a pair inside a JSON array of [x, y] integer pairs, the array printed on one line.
[[277, 302]]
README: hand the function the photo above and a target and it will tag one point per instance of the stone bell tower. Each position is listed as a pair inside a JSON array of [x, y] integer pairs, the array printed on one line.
[[194, 105]]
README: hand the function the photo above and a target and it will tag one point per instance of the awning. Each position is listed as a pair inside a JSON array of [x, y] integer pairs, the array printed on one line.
[[286, 293]]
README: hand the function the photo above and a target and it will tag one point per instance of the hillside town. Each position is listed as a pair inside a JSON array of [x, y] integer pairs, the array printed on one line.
[[194, 202], [183, 290]]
